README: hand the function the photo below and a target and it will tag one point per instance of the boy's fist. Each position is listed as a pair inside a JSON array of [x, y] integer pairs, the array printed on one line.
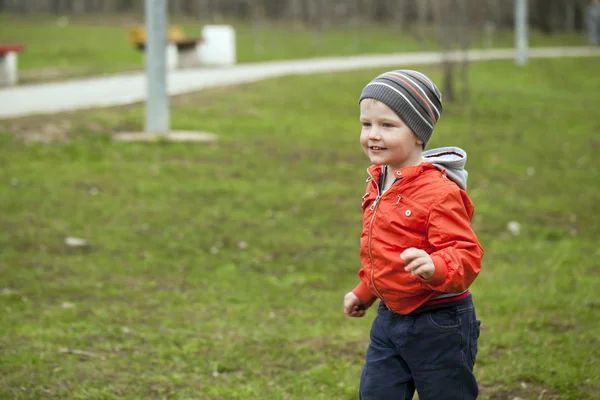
[[418, 262], [353, 307]]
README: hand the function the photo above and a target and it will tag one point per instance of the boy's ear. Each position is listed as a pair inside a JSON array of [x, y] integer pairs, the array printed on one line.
[[419, 141]]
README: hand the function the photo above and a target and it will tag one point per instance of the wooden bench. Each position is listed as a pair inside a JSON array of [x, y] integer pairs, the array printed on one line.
[[181, 51], [8, 64]]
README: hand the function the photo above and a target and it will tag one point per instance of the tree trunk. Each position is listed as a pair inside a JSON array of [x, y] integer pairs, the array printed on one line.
[[357, 20], [293, 12], [315, 15], [257, 15], [24, 6], [421, 29], [173, 6], [555, 17], [111, 6], [465, 40], [546, 10], [490, 23], [443, 16], [570, 16]]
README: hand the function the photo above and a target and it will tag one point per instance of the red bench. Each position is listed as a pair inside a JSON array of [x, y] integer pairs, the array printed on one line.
[[8, 64]]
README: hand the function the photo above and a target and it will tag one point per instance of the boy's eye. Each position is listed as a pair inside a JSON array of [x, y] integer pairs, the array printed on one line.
[[387, 125], [366, 124]]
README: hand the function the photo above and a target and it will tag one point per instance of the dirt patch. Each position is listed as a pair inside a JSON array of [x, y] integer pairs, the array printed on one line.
[[525, 390], [39, 130], [553, 326], [594, 270], [48, 130], [48, 133], [496, 352], [45, 75], [593, 305], [347, 350]]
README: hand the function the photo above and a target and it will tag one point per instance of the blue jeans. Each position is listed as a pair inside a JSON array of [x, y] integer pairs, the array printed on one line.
[[432, 352]]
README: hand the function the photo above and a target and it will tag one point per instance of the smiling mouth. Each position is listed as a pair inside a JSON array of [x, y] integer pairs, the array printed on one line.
[[377, 148]]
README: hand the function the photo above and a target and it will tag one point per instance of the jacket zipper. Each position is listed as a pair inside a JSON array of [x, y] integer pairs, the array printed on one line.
[[374, 209]]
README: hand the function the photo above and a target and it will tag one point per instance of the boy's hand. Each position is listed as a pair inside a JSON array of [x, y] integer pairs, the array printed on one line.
[[353, 307], [418, 262]]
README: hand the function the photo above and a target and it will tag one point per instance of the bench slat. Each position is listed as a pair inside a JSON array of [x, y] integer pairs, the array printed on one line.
[[181, 44], [12, 48]]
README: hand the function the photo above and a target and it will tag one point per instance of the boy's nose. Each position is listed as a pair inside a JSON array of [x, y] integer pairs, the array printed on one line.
[[374, 134]]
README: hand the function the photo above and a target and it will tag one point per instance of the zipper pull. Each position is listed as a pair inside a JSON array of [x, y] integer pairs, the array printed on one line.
[[375, 203], [399, 198]]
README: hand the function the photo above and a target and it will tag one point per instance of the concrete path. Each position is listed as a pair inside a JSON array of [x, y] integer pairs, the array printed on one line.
[[131, 88]]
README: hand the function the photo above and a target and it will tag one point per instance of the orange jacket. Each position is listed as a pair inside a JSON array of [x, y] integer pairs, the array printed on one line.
[[425, 210]]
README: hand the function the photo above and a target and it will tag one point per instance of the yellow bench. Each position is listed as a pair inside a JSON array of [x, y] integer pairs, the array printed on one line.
[[181, 51], [175, 35]]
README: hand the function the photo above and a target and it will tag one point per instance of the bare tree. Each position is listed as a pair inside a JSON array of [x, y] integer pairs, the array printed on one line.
[[549, 16], [357, 15], [490, 22], [214, 11], [174, 6], [423, 8], [113, 5], [443, 16], [316, 17], [293, 11], [570, 8], [257, 16], [452, 18], [464, 32]]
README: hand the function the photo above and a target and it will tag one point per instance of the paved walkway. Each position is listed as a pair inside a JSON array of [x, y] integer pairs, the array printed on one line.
[[130, 88]]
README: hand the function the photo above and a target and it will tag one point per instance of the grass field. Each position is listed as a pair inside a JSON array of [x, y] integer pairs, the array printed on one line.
[[217, 272], [99, 45]]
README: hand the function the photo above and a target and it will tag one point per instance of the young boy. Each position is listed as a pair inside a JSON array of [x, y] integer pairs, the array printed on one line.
[[418, 252]]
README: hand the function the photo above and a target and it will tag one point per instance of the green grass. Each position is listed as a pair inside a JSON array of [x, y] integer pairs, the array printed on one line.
[[100, 44], [218, 272]]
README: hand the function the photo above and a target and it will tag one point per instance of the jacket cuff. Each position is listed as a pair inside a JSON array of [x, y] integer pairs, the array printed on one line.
[[364, 294], [441, 271]]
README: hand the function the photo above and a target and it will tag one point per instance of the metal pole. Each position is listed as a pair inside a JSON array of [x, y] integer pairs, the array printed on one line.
[[157, 100], [521, 31]]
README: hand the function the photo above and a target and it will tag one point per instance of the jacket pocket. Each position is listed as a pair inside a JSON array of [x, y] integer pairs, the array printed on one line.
[[445, 319], [408, 221]]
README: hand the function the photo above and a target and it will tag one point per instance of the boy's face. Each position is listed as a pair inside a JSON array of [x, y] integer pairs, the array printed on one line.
[[385, 139]]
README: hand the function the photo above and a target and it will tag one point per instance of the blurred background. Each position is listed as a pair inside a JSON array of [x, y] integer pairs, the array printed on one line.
[[283, 29], [165, 270]]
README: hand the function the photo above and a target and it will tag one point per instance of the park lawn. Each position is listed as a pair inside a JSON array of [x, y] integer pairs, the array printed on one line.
[[95, 45], [217, 272]]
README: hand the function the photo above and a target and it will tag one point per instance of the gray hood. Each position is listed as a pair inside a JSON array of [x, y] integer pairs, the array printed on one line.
[[451, 159]]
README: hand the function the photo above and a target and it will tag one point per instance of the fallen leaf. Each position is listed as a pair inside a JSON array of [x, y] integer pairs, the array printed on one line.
[[75, 242], [514, 228]]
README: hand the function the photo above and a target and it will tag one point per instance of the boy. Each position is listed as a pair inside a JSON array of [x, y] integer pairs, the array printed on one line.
[[418, 253]]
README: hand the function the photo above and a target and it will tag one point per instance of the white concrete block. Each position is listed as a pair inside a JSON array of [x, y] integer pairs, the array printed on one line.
[[8, 69], [172, 56], [190, 56], [218, 45]]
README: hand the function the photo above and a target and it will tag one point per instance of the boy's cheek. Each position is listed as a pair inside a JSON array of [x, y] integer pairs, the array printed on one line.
[[363, 142]]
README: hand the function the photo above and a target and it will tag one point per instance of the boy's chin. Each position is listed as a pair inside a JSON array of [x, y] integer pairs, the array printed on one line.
[[377, 161]]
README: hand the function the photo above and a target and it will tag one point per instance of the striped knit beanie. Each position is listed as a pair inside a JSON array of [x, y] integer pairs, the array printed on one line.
[[412, 96]]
